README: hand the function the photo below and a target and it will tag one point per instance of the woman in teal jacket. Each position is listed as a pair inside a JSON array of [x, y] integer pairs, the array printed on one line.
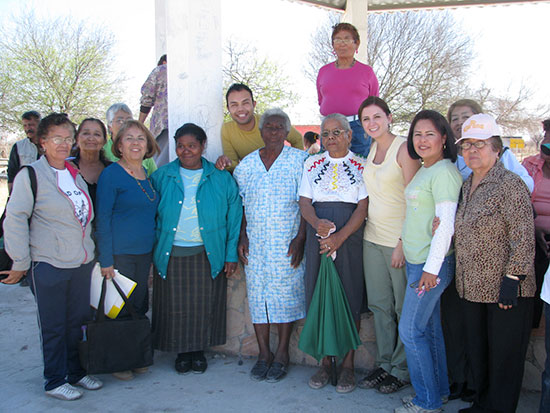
[[198, 223]]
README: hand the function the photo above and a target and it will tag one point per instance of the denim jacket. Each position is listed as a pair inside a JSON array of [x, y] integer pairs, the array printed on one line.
[[219, 208]]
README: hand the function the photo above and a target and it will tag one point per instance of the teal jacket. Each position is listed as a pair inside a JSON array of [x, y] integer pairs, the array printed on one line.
[[219, 208]]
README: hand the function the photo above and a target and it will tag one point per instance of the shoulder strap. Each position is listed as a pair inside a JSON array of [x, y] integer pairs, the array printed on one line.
[[34, 185]]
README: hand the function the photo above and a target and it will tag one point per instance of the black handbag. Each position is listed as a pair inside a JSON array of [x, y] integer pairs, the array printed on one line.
[[110, 346]]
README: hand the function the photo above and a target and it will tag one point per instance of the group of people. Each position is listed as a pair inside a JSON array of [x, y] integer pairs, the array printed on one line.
[[433, 232]]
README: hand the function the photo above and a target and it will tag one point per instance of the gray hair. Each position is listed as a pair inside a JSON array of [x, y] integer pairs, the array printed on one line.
[[114, 109], [344, 124], [275, 112]]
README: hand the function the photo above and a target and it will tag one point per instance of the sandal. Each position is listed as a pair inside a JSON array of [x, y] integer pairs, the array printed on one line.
[[320, 378], [260, 369], [346, 381], [391, 384], [373, 379], [276, 372]]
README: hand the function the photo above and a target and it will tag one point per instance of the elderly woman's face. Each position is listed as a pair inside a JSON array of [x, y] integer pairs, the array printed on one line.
[[274, 131], [189, 151], [344, 45], [478, 159], [336, 139], [58, 142], [90, 137]]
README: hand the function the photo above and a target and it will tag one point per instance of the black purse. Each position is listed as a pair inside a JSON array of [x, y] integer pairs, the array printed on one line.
[[110, 346]]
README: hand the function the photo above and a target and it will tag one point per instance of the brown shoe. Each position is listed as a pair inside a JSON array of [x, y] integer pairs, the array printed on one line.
[[140, 370], [320, 378], [346, 381], [123, 375]]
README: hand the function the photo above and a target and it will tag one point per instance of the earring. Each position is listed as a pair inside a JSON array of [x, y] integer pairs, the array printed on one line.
[[444, 146], [356, 51]]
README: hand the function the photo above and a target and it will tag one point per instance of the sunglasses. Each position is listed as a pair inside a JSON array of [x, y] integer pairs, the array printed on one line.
[[545, 148]]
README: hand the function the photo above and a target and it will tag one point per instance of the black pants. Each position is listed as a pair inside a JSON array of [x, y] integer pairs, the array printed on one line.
[[454, 324], [496, 342], [541, 265], [135, 267]]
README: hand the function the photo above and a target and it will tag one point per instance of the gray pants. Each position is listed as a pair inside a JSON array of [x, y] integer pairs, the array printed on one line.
[[386, 288]]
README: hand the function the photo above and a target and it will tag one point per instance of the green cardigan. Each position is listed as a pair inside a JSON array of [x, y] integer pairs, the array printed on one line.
[[219, 208]]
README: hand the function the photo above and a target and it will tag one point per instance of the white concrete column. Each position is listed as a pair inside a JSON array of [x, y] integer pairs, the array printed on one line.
[[356, 14], [160, 28], [193, 40]]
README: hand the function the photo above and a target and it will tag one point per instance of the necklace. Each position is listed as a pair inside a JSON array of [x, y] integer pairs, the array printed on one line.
[[338, 65], [141, 187]]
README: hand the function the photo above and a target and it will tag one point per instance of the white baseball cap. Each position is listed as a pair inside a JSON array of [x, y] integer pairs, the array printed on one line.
[[480, 126]]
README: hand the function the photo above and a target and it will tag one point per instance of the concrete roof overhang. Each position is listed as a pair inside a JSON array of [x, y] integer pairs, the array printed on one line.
[[396, 5]]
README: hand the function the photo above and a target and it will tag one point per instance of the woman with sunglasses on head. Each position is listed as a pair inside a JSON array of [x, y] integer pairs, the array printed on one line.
[[430, 262], [48, 235], [343, 84], [333, 201]]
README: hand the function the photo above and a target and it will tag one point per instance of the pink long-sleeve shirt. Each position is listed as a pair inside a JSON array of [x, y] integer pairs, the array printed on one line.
[[343, 90]]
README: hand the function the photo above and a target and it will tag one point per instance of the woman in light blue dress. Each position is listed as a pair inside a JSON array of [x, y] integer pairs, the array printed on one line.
[[272, 241]]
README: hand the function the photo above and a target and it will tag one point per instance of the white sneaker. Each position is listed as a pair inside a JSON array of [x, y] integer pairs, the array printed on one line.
[[407, 399], [89, 383], [64, 392], [410, 407]]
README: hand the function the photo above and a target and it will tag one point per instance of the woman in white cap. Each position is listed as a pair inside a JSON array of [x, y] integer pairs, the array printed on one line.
[[495, 244]]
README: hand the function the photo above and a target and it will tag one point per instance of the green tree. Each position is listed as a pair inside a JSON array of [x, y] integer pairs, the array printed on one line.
[[270, 85], [62, 65]]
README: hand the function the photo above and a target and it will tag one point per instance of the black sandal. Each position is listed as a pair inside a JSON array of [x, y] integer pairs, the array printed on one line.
[[260, 369], [276, 372], [391, 384], [373, 380]]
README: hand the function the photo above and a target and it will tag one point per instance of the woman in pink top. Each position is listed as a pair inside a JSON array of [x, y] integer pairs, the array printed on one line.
[[342, 85], [538, 166]]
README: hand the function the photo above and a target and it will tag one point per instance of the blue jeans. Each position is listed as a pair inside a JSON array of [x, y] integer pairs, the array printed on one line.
[[545, 392], [359, 143], [421, 333]]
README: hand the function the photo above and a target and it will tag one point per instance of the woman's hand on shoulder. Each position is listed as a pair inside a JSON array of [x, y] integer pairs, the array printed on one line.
[[108, 272], [13, 277]]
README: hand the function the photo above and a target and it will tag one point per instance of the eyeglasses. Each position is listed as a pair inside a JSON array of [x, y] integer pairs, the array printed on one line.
[[121, 121], [343, 41], [59, 140], [334, 132], [468, 145]]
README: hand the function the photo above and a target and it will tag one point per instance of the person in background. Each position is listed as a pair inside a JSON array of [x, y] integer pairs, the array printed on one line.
[[461, 110], [24, 152], [342, 85], [311, 142], [50, 237], [193, 262], [538, 167], [545, 385], [117, 115], [430, 261], [452, 318], [271, 244], [89, 155], [154, 94], [241, 135], [388, 170], [333, 201], [495, 248], [126, 208]]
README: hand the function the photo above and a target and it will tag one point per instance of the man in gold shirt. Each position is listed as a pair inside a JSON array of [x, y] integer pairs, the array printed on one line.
[[241, 135]]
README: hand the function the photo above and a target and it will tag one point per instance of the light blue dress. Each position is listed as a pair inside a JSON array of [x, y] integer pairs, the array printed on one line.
[[275, 290]]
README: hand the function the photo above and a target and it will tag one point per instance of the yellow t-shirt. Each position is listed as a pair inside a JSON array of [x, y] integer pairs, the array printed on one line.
[[386, 187], [238, 143]]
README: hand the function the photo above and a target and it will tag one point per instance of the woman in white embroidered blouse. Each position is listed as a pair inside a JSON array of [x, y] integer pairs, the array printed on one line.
[[333, 201]]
